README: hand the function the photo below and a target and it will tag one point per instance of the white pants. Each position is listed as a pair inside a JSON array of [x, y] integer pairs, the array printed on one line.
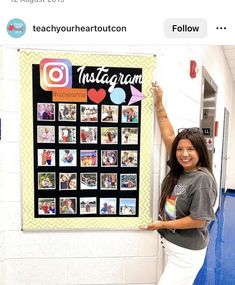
[[182, 264]]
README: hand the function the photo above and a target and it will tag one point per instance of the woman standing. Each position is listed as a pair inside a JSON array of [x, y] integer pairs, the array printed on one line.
[[186, 204]]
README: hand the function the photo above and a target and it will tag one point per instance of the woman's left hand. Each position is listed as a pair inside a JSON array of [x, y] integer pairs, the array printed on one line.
[[152, 227]]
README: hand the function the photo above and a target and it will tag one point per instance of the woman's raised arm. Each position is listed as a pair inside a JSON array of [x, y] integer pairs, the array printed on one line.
[[165, 125]]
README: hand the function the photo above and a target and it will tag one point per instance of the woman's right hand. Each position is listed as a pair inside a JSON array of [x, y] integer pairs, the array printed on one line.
[[157, 93]]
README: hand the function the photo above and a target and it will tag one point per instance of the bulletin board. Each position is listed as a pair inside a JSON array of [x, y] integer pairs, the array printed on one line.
[[86, 140]]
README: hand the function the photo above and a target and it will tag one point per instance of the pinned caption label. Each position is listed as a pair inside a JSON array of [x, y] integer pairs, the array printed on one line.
[[69, 95]]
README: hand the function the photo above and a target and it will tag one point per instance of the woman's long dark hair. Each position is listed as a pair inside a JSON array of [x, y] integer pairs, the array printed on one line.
[[198, 141]]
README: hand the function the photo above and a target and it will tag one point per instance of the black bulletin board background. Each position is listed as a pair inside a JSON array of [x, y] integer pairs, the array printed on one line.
[[42, 96]]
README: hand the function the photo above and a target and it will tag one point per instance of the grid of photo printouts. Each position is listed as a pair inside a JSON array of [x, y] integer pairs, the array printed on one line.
[[87, 159]]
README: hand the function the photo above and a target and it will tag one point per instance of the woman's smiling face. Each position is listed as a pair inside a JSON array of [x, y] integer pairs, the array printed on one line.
[[187, 155]]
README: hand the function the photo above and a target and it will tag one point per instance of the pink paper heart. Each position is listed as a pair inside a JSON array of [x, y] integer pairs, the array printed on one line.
[[96, 96]]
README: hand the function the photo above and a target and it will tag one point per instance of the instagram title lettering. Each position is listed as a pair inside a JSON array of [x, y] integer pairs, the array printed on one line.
[[102, 77]]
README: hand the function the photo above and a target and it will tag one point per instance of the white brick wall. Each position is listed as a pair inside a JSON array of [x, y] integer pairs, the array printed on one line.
[[95, 257], [2, 194], [80, 244]]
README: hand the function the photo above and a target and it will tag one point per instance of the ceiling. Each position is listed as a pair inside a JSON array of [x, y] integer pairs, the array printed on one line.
[[229, 52]]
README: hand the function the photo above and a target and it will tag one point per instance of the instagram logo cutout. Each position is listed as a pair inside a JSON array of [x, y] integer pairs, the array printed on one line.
[[55, 73]]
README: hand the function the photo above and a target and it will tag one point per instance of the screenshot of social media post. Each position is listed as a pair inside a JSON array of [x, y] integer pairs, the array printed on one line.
[[93, 98]]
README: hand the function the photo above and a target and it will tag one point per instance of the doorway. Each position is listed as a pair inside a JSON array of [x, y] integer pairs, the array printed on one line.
[[207, 123], [224, 156]]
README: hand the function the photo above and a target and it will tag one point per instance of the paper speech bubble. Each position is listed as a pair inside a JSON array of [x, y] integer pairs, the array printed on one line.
[[118, 96]]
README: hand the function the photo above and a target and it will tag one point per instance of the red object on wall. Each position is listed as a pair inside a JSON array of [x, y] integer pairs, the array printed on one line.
[[193, 68], [216, 126]]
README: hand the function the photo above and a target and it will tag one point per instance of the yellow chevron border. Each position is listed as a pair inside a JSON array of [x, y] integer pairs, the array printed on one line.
[[148, 64]]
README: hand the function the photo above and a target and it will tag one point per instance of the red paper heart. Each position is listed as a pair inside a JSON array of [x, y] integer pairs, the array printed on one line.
[[96, 96]]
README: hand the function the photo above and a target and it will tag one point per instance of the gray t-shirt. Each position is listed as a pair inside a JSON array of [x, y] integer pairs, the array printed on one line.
[[194, 195]]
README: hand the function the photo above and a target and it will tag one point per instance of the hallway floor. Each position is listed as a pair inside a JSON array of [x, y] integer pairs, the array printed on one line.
[[219, 266]]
